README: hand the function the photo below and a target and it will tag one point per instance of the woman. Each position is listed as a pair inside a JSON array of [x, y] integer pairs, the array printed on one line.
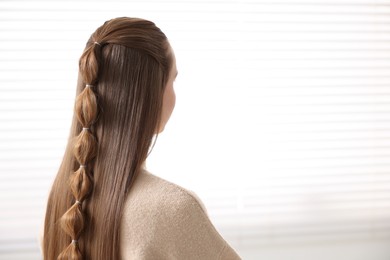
[[103, 203]]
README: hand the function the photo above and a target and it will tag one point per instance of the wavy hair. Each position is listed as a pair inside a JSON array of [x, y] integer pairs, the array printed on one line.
[[122, 76]]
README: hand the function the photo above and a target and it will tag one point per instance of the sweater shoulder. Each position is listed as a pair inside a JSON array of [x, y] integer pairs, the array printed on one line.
[[162, 220], [154, 204], [161, 193]]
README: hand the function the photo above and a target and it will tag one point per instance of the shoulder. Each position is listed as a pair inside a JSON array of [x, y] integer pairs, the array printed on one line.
[[159, 201], [160, 193], [168, 221]]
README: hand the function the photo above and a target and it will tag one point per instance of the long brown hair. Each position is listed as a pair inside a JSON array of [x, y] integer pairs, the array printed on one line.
[[122, 75]]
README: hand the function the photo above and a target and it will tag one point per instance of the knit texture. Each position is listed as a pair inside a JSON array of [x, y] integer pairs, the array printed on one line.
[[162, 220]]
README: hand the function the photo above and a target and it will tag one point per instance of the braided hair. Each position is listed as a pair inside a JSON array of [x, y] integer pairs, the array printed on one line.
[[122, 75], [85, 149]]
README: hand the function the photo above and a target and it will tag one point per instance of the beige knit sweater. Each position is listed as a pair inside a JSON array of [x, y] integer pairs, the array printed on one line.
[[163, 221]]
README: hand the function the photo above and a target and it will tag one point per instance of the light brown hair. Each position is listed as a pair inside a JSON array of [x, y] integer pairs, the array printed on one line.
[[122, 75]]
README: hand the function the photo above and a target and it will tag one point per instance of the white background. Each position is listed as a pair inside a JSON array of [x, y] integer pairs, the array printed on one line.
[[281, 126]]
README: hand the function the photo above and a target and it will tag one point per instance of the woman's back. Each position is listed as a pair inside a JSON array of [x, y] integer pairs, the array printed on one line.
[[164, 221], [103, 205]]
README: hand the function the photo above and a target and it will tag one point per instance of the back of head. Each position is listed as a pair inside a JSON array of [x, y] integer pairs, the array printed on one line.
[[123, 71]]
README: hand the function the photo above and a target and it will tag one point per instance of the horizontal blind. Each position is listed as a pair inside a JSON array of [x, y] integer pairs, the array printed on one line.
[[282, 122]]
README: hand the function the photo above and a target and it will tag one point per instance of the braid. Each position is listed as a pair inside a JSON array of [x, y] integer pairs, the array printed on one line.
[[85, 149]]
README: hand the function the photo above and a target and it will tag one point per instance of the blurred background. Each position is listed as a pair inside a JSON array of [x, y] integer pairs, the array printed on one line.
[[282, 121]]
